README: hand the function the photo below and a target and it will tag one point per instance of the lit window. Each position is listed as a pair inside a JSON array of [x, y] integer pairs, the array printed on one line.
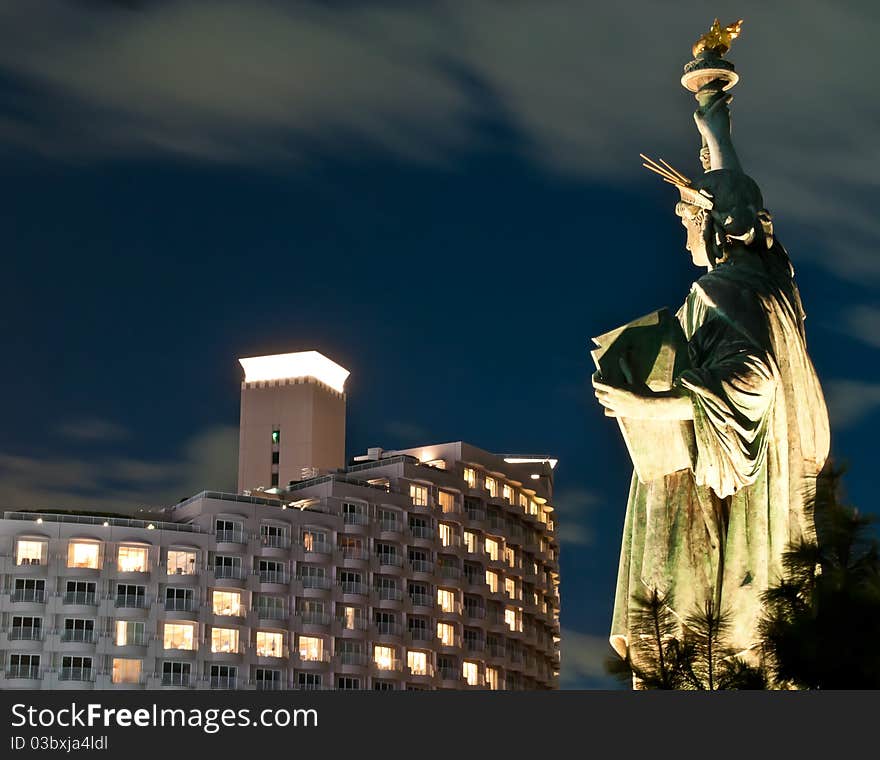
[[470, 541], [492, 579], [471, 672], [446, 634], [126, 671], [533, 509], [524, 501], [226, 602], [350, 617], [181, 562], [83, 554], [179, 636], [30, 552], [447, 501], [510, 556], [269, 644], [510, 587], [417, 663], [129, 632], [492, 486], [446, 533], [511, 619], [224, 640], [311, 648], [507, 493], [419, 495], [470, 477], [493, 549], [276, 436], [383, 657], [133, 559], [446, 600], [492, 679]]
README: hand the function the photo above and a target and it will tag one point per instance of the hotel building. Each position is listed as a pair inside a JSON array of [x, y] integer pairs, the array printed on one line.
[[426, 568]]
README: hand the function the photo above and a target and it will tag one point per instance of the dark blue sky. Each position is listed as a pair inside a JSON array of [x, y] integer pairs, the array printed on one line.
[[148, 246]]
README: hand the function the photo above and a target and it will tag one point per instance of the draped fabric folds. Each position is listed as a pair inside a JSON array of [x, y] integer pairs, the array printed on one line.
[[718, 531]]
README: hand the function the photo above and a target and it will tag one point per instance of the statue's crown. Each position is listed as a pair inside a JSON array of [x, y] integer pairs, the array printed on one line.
[[689, 194]]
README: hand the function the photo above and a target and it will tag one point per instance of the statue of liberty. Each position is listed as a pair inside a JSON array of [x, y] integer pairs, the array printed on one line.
[[746, 395]]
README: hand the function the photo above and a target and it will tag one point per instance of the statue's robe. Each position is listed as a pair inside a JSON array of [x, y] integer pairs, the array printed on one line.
[[718, 531]]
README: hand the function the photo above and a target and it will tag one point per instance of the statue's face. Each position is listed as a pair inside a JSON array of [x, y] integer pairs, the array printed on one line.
[[695, 244]]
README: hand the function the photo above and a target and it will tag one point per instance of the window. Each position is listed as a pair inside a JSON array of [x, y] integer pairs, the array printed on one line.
[[315, 541], [126, 671], [26, 628], [507, 493], [493, 549], [227, 566], [447, 501], [133, 559], [226, 603], [271, 607], [270, 644], [471, 672], [352, 618], [181, 562], [272, 571], [80, 592], [446, 600], [130, 595], [75, 668], [492, 487], [470, 541], [419, 495], [78, 629], [24, 666], [229, 530], [310, 681], [273, 480], [129, 632], [274, 535], [383, 657], [223, 676], [348, 683], [470, 477], [354, 514], [510, 556], [176, 673], [510, 587], [352, 547], [313, 576], [492, 679], [383, 686], [311, 648], [266, 679], [224, 639], [388, 520], [447, 534], [179, 599], [417, 662], [276, 457], [512, 620], [179, 636], [446, 634], [29, 590], [29, 552], [83, 554], [276, 436], [386, 622], [492, 580]]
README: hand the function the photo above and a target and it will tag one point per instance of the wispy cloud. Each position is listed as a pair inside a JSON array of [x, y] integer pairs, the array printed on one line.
[[574, 507], [207, 460], [583, 662], [92, 429], [584, 86], [863, 323], [850, 401], [407, 433]]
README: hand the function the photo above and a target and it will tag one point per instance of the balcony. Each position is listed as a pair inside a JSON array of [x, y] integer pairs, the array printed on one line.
[[78, 634], [76, 674], [359, 659], [275, 542], [265, 612], [265, 684], [389, 594], [28, 595], [317, 547], [422, 531], [388, 559], [132, 639], [274, 576], [474, 612], [450, 571], [235, 572], [26, 634], [88, 598], [476, 515], [390, 526], [422, 600], [475, 645], [354, 587], [421, 634], [355, 518], [177, 604], [177, 679], [232, 537], [354, 553], [223, 682], [449, 674], [138, 601], [389, 629], [30, 672], [353, 624], [421, 566], [309, 617], [314, 581], [496, 650]]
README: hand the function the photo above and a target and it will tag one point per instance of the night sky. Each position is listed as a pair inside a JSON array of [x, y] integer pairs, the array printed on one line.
[[445, 198]]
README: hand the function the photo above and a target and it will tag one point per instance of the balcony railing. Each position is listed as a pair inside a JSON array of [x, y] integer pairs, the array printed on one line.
[[78, 634], [314, 581], [231, 537], [269, 684], [132, 639], [223, 682], [31, 672], [391, 526], [77, 674], [474, 612], [309, 617], [354, 587], [132, 600], [421, 634], [271, 613], [275, 542], [350, 552], [389, 594], [422, 531], [176, 679], [353, 658], [274, 576], [28, 595], [478, 515], [389, 559], [421, 566], [229, 571], [355, 518], [450, 571], [496, 650], [389, 629], [422, 600], [26, 634], [475, 645], [353, 624], [81, 597], [449, 674], [318, 547], [178, 604]]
